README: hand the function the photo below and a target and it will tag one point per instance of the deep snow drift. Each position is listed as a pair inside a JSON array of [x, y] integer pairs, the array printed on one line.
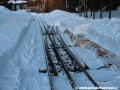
[[21, 52], [105, 32], [11, 32]]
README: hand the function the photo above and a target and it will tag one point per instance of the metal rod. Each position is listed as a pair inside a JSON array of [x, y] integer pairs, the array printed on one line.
[[47, 65], [62, 62], [77, 62]]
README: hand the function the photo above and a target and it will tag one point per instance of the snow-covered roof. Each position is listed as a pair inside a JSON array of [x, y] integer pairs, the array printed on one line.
[[17, 2]]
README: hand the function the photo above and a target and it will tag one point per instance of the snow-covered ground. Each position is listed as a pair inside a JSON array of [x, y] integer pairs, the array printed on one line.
[[22, 54], [105, 32]]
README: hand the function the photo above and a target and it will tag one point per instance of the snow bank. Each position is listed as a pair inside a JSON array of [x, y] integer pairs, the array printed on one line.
[[12, 24], [56, 16], [25, 64], [13, 28], [21, 52], [21, 13], [104, 32], [4, 12], [6, 15]]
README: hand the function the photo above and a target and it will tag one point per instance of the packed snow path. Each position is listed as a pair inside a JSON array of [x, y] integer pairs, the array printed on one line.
[[21, 71]]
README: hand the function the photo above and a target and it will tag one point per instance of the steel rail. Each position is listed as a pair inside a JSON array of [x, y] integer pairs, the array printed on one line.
[[74, 58], [72, 82], [47, 64], [76, 61], [49, 58]]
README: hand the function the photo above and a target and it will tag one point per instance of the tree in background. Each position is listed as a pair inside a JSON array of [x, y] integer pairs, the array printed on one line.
[[55, 4], [72, 4], [5, 3]]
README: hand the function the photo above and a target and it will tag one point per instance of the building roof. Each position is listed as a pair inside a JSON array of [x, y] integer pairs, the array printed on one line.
[[17, 2]]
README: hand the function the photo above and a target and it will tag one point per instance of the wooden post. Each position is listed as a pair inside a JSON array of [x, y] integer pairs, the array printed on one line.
[[86, 7], [66, 5], [15, 7], [91, 7], [81, 6], [21, 6], [94, 9], [101, 9], [110, 9]]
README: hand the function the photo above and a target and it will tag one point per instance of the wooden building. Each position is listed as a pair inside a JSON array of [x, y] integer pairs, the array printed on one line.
[[55, 4], [16, 5], [46, 5]]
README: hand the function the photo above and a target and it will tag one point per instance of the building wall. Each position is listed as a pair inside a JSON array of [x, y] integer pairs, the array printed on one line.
[[56, 4], [47, 5]]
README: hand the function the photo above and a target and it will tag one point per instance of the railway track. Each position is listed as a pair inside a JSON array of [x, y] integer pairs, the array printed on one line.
[[61, 62]]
